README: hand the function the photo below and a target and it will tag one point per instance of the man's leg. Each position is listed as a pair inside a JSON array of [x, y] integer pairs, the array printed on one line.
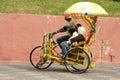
[[65, 48], [62, 38]]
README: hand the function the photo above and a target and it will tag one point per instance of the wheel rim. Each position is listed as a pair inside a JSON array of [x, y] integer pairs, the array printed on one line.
[[35, 57]]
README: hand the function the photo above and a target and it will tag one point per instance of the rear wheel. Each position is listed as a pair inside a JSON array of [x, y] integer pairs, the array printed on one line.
[[38, 60], [77, 60]]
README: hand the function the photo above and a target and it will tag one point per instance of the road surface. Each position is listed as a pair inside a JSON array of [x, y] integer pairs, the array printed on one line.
[[16, 71]]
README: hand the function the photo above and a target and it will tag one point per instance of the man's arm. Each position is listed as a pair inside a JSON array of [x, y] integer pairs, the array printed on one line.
[[63, 29]]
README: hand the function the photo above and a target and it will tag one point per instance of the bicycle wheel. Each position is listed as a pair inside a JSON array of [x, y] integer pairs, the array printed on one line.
[[37, 59], [77, 60]]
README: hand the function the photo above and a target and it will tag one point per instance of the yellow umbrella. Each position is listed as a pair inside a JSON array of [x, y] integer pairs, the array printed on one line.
[[85, 7]]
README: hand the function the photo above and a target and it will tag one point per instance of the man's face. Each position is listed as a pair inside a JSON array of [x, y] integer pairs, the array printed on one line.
[[67, 19]]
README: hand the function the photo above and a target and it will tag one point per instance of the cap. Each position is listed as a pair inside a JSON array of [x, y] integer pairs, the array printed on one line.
[[67, 17]]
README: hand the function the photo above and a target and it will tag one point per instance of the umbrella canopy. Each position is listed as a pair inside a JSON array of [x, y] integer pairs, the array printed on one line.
[[85, 7]]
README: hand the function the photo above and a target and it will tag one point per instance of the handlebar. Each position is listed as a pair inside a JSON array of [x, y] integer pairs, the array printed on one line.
[[54, 33], [48, 36]]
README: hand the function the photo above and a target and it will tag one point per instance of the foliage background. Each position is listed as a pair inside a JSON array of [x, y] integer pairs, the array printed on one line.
[[53, 7]]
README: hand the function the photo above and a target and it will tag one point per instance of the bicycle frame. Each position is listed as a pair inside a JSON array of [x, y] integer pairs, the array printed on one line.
[[86, 48], [49, 44], [49, 47]]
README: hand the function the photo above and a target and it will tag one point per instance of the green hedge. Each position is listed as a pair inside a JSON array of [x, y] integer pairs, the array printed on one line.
[[53, 7]]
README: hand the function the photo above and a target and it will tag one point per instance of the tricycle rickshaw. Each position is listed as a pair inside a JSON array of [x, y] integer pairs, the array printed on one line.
[[79, 57]]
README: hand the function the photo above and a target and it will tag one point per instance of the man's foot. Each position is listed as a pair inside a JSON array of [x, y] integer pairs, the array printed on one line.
[[39, 63]]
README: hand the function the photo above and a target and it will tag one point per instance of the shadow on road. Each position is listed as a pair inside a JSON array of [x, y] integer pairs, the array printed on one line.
[[29, 67]]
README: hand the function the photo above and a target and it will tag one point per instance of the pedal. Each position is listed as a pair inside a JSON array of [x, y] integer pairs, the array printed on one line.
[[92, 65]]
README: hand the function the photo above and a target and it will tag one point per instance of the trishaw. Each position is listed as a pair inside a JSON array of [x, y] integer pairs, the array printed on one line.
[[78, 58]]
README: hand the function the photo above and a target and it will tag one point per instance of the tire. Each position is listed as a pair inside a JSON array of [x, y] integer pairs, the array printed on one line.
[[77, 60], [91, 55], [37, 60]]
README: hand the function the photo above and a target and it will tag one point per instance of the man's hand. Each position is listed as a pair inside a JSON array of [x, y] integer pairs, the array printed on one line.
[[54, 33], [68, 42]]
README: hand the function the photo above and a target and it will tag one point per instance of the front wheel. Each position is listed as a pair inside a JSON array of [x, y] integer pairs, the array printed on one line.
[[37, 59], [77, 60]]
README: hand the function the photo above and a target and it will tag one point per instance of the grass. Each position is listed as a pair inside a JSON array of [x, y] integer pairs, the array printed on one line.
[[53, 7]]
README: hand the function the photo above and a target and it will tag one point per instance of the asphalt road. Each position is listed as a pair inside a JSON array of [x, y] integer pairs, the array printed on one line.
[[16, 71]]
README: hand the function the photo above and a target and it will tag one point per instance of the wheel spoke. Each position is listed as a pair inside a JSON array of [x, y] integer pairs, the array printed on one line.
[[38, 59], [77, 59]]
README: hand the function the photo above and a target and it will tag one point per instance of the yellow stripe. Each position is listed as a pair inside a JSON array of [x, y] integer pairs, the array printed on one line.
[[98, 10], [72, 8]]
